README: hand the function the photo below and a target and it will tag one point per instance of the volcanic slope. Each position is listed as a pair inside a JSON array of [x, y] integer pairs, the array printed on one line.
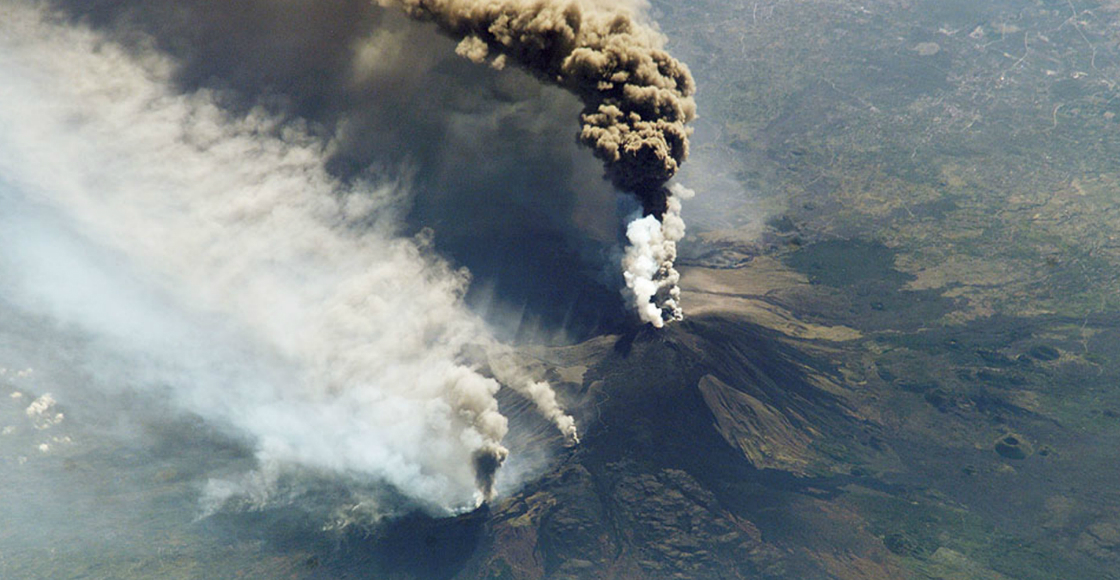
[[751, 442], [697, 436], [708, 453]]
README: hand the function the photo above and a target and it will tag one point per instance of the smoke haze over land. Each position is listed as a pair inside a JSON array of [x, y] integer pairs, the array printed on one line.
[[249, 211], [215, 259], [490, 152]]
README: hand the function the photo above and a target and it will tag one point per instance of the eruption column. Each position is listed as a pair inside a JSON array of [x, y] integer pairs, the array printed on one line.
[[637, 102]]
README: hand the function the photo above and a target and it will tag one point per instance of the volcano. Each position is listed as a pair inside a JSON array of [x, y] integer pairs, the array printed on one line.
[[701, 441], [292, 289]]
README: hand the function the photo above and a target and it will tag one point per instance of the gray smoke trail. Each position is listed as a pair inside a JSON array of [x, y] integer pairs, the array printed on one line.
[[542, 395], [637, 98]]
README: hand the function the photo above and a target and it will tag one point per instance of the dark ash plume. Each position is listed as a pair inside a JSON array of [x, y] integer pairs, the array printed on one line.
[[637, 97], [487, 461]]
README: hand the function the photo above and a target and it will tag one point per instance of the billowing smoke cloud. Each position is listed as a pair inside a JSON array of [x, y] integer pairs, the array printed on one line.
[[528, 214], [218, 260], [637, 99]]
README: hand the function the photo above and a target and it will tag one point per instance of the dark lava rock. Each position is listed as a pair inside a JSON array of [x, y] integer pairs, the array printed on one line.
[[918, 386], [902, 545], [846, 263], [1013, 446], [1000, 379], [1045, 353], [993, 358], [783, 224], [941, 399]]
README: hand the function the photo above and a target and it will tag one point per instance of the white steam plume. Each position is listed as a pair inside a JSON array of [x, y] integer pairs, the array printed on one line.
[[647, 266], [218, 259]]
